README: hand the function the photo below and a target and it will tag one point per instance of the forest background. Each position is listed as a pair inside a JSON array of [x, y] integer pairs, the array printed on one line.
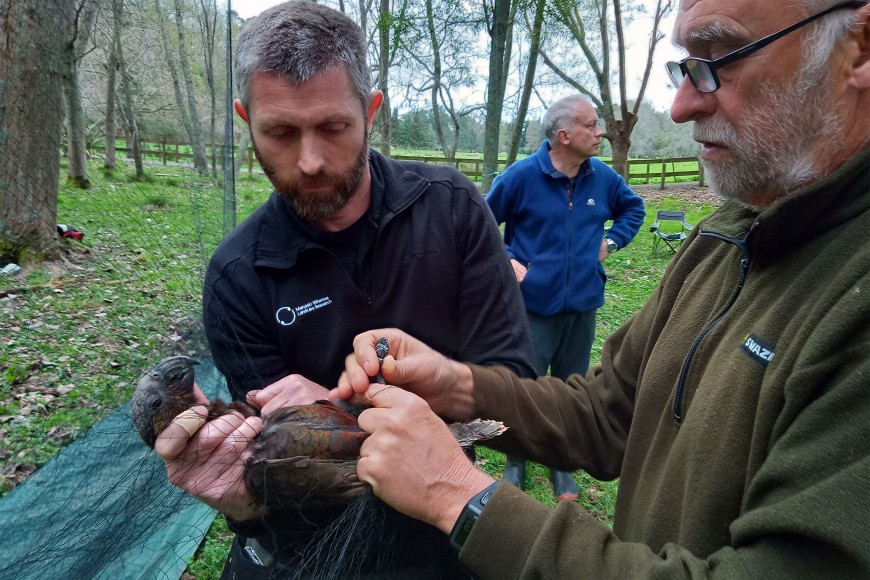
[[81, 74]]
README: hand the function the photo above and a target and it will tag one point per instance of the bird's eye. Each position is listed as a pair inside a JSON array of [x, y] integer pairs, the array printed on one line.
[[156, 403]]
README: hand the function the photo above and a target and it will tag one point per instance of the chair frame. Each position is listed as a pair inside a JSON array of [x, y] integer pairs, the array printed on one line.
[[670, 239]]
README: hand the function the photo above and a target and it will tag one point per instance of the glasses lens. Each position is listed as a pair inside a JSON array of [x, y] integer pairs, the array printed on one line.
[[701, 74], [676, 73]]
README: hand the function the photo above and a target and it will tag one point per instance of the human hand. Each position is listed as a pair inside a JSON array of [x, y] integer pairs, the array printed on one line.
[[520, 271], [412, 461], [288, 391], [445, 384], [602, 251], [209, 463]]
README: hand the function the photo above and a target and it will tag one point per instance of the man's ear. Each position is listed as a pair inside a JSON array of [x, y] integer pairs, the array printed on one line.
[[240, 111], [374, 104], [860, 77]]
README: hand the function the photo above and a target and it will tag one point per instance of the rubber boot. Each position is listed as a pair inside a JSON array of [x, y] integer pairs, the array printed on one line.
[[515, 472], [564, 486]]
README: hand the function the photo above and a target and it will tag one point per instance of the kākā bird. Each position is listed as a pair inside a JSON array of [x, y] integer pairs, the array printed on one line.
[[305, 453]]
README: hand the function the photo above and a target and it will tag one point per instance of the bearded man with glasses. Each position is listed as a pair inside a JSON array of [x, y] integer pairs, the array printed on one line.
[[765, 113], [734, 405]]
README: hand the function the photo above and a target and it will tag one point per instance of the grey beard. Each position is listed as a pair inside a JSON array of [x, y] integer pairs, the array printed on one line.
[[774, 150]]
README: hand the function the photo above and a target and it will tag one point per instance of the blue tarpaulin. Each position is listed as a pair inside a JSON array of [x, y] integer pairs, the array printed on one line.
[[103, 509]]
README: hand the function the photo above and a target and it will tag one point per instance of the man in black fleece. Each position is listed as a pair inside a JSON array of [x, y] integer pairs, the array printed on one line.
[[349, 240]]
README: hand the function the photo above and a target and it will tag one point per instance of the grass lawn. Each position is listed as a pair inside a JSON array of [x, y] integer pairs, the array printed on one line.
[[75, 338]]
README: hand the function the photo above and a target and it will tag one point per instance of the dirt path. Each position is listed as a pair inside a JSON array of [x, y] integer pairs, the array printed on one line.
[[689, 191]]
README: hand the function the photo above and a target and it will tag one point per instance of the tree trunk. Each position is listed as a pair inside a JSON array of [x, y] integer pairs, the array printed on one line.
[[242, 154], [531, 67], [78, 34], [208, 26], [130, 116], [620, 141], [31, 120], [436, 79], [495, 90], [77, 154], [183, 111], [109, 163], [200, 161], [383, 78], [363, 11]]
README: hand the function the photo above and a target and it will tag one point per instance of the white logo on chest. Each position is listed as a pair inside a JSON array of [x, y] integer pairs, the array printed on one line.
[[287, 315]]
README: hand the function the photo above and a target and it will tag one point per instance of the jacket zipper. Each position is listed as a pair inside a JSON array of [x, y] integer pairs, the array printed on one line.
[[684, 372], [570, 243], [364, 292]]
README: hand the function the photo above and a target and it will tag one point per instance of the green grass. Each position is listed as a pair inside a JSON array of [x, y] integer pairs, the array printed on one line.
[[75, 338]]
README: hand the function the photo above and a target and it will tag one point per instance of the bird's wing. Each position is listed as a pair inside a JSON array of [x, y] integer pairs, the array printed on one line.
[[475, 431], [303, 481]]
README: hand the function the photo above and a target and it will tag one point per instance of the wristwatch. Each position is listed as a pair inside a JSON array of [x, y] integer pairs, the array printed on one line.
[[611, 245], [469, 516]]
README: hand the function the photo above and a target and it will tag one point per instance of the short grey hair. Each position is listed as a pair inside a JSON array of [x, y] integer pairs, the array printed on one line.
[[298, 40], [560, 115], [825, 35]]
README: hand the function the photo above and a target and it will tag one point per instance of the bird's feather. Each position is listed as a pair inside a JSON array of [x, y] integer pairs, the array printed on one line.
[[305, 455]]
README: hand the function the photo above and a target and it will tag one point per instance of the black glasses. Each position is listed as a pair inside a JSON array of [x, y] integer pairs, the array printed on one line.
[[702, 71]]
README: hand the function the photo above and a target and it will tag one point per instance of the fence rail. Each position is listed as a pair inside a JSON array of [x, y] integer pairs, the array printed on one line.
[[639, 170], [646, 171]]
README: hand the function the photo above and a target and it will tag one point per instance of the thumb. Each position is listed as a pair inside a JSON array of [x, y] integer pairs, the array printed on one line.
[[393, 371], [172, 440], [251, 398]]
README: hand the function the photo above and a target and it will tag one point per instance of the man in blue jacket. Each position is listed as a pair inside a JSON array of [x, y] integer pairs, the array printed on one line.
[[554, 205]]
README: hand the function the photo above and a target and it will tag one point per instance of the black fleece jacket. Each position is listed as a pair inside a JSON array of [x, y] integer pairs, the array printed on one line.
[[430, 260], [276, 302]]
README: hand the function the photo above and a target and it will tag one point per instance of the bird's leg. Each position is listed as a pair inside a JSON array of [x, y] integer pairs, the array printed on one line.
[[218, 407]]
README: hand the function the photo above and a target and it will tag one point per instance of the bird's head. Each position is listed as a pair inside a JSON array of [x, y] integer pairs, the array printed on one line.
[[161, 394]]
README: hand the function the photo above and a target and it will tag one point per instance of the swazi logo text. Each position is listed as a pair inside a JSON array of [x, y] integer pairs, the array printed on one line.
[[760, 351]]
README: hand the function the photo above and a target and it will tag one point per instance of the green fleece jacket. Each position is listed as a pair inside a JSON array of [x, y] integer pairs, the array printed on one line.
[[734, 408]]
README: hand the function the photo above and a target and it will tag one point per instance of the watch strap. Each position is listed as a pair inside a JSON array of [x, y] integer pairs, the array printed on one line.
[[468, 516]]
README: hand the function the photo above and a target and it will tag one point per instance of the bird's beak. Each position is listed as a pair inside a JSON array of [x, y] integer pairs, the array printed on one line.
[[175, 372]]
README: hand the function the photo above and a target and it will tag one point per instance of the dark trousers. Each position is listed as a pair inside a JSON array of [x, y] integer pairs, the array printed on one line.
[[563, 342], [563, 345]]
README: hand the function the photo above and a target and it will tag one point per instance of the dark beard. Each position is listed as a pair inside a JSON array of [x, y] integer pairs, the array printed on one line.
[[321, 205]]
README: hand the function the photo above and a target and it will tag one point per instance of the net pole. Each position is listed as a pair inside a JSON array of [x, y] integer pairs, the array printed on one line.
[[229, 153]]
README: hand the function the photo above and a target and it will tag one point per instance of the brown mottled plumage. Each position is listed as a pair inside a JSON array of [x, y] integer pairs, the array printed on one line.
[[305, 453]]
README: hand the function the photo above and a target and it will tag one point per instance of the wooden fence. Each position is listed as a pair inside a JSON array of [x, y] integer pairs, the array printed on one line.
[[644, 171], [639, 170]]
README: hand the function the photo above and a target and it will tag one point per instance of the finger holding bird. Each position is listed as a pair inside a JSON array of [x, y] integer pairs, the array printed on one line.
[[293, 454]]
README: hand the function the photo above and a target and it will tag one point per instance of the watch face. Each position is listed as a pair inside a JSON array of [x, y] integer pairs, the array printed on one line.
[[469, 516], [464, 530]]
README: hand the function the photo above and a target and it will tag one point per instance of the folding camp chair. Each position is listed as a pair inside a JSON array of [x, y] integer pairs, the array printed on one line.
[[672, 237]]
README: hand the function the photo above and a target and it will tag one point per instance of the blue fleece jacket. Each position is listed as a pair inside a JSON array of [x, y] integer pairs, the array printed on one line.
[[555, 230]]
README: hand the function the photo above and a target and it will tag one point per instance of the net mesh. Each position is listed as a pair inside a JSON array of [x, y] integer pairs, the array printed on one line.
[[82, 496]]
